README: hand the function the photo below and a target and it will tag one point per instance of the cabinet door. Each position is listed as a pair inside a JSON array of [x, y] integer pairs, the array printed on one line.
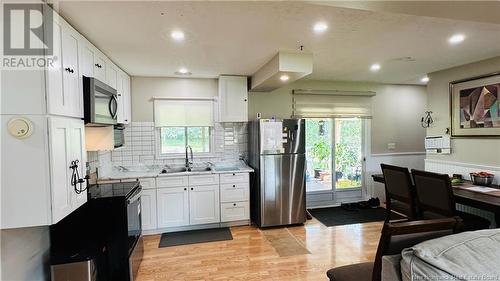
[[60, 152], [85, 60], [128, 100], [233, 99], [120, 117], [111, 73], [204, 204], [79, 153], [99, 67], [148, 209], [127, 114], [58, 100], [69, 40], [173, 206]]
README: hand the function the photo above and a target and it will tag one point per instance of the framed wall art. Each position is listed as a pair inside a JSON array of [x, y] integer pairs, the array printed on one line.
[[475, 107]]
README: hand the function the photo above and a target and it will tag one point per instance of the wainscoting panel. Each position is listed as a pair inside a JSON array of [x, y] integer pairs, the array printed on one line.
[[413, 160], [464, 169]]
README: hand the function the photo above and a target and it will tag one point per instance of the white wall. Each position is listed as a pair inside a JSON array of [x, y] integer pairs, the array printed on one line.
[[480, 151], [25, 254]]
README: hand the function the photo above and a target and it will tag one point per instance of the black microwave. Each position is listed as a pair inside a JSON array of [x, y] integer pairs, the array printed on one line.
[[100, 103]]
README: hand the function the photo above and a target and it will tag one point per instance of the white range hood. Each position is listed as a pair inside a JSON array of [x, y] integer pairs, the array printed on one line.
[[292, 64]]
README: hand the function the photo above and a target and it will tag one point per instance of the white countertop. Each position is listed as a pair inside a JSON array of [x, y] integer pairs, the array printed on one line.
[[152, 171]]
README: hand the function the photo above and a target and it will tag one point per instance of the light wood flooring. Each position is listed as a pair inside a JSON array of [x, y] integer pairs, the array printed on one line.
[[254, 254]]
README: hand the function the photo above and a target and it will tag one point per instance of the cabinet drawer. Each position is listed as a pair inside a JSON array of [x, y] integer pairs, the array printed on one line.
[[233, 177], [231, 192], [203, 179], [235, 211], [147, 183], [172, 181]]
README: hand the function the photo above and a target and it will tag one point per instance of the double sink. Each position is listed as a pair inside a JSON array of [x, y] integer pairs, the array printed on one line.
[[168, 170]]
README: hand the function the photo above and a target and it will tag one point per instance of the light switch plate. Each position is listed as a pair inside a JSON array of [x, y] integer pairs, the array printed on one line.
[[391, 146]]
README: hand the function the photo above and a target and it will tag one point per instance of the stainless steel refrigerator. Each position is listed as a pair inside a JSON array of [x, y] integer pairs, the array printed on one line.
[[278, 189]]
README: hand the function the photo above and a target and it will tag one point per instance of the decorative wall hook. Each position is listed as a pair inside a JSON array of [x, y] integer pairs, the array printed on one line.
[[427, 120]]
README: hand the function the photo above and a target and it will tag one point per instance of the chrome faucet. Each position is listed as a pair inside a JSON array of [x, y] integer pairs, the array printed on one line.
[[189, 163]]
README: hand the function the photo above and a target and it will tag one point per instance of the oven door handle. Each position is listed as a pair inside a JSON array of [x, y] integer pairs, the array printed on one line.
[[136, 196]]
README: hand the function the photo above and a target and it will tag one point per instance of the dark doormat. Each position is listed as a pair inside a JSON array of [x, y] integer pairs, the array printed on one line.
[[336, 216], [194, 236]]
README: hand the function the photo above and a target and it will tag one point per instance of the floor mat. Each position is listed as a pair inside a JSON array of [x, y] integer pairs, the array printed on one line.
[[195, 236], [284, 242], [336, 216]]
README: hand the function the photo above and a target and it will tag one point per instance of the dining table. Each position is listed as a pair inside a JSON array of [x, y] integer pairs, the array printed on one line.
[[470, 195]]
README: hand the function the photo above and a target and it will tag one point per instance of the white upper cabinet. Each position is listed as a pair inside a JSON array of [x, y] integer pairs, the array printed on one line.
[[111, 74], [85, 58], [123, 90], [71, 76], [99, 67], [62, 79], [120, 117], [127, 100], [233, 99]]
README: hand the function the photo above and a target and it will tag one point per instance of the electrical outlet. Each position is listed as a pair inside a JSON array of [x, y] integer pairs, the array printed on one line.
[[391, 146]]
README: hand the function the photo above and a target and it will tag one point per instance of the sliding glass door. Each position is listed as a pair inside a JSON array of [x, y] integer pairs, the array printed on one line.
[[334, 154]]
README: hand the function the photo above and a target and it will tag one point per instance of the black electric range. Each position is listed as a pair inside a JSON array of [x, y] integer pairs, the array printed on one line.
[[118, 189], [109, 222]]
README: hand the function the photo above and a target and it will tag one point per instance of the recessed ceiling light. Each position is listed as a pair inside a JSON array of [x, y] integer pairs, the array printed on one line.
[[457, 38], [177, 35], [284, 77], [320, 27], [375, 67], [425, 79], [182, 71]]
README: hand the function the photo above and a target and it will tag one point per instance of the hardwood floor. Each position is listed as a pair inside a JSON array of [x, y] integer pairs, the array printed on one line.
[[253, 255]]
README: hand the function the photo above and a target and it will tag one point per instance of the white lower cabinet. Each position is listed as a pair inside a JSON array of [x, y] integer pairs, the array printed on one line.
[[204, 204], [173, 206], [148, 209], [183, 201], [234, 211]]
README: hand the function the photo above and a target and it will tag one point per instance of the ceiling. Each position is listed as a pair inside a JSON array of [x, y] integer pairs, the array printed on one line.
[[240, 37]]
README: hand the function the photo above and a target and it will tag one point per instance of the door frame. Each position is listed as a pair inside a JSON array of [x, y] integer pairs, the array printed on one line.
[[334, 197]]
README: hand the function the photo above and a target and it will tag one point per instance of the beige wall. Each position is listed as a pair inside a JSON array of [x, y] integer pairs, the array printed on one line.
[[466, 150], [144, 88], [397, 110]]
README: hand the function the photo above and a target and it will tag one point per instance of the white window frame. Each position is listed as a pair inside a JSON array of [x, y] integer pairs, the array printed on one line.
[[159, 155]]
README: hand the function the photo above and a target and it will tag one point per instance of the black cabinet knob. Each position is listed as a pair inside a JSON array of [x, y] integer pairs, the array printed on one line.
[[185, 189], [245, 99], [234, 185], [234, 174], [192, 188], [234, 204]]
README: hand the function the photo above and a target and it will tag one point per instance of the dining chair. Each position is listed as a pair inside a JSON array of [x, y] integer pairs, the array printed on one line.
[[435, 199], [395, 237], [400, 195]]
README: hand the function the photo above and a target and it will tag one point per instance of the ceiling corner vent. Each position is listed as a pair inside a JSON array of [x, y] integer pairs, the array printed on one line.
[[282, 69]]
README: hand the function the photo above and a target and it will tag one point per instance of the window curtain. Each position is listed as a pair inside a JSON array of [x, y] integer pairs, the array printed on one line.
[[181, 112], [331, 104]]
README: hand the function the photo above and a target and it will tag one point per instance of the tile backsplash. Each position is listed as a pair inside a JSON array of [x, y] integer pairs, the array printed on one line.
[[230, 144]]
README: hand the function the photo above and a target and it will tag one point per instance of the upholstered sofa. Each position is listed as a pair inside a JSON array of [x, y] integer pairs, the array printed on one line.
[[464, 256]]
